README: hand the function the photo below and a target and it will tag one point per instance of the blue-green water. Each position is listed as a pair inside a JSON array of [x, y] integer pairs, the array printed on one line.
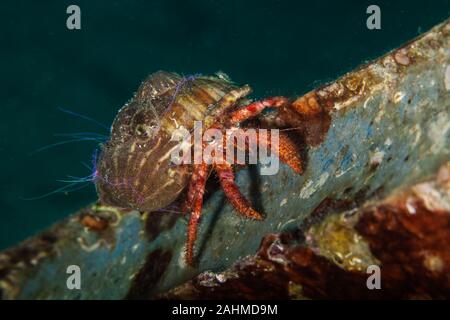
[[278, 47]]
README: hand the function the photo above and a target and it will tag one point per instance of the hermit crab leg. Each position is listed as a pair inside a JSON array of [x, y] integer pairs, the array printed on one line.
[[231, 190], [287, 151], [196, 191], [253, 109], [193, 184], [194, 200], [189, 200]]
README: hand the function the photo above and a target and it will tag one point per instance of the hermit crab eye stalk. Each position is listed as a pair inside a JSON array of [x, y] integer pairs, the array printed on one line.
[[145, 124], [141, 131]]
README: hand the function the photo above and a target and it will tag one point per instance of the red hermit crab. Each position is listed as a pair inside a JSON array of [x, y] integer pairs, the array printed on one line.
[[134, 169]]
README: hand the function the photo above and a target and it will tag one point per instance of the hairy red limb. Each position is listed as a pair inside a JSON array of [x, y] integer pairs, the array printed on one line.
[[255, 108], [197, 189], [231, 190], [287, 152]]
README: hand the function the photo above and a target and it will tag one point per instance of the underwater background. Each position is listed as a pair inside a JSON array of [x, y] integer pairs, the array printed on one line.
[[278, 47]]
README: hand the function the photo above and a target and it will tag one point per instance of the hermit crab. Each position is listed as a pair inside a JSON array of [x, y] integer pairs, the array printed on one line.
[[135, 170]]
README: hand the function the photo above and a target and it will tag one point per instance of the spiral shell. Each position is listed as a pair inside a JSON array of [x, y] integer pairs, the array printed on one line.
[[134, 169]]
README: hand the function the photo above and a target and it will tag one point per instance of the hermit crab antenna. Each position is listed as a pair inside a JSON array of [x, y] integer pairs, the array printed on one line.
[[83, 117]]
